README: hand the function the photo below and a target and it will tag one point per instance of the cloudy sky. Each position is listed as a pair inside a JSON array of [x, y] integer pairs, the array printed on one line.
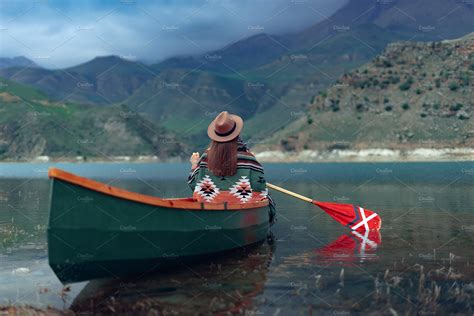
[[62, 33]]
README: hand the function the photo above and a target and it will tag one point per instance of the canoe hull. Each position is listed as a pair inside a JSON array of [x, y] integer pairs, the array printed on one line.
[[96, 235]]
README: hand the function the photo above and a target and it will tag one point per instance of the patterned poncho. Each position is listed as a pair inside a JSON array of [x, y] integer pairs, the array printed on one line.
[[247, 185]]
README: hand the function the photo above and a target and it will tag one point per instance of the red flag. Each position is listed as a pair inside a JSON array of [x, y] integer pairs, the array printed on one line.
[[355, 217]]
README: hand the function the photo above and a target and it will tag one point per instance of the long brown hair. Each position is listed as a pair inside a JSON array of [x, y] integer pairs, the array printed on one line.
[[222, 158]]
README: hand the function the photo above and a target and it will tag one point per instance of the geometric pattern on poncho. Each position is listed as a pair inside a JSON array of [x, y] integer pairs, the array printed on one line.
[[207, 189], [242, 189]]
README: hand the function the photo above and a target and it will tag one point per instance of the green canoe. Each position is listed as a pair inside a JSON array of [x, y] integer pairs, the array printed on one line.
[[99, 231]]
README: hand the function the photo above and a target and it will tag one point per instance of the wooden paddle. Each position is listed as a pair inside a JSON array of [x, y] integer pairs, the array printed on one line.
[[352, 216]]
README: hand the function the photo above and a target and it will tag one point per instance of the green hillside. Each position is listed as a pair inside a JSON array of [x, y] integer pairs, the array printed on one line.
[[32, 125]]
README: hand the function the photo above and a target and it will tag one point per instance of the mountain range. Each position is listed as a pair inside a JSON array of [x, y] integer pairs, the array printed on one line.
[[260, 77]]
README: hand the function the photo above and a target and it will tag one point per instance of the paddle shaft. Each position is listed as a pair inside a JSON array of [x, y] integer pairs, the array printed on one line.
[[293, 194], [356, 217]]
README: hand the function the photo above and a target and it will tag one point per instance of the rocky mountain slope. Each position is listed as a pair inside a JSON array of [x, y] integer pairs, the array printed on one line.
[[415, 94], [33, 125], [349, 38]]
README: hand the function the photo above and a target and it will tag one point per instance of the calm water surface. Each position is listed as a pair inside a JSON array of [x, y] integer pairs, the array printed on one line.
[[421, 262]]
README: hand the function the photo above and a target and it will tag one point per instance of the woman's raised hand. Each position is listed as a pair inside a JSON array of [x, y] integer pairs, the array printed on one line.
[[194, 159]]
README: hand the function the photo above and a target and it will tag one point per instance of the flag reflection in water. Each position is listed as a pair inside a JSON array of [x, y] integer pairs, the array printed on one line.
[[350, 248]]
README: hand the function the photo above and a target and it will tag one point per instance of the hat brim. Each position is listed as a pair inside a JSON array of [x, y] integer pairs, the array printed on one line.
[[211, 131]]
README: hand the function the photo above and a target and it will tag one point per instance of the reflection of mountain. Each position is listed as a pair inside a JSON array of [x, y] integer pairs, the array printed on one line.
[[223, 285]]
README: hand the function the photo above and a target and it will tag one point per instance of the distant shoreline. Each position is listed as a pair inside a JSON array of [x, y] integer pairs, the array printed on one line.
[[370, 155], [305, 156]]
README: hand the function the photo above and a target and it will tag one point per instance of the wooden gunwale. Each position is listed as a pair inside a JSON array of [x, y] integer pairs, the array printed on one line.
[[175, 203]]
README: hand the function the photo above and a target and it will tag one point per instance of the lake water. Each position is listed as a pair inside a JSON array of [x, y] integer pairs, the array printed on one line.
[[421, 262]]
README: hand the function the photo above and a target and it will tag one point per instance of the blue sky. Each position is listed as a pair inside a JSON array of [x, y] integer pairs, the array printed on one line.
[[57, 34]]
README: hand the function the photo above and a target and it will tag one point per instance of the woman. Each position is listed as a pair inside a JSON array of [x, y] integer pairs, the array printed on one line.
[[227, 171]]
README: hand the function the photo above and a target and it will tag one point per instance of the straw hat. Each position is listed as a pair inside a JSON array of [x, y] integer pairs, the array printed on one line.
[[225, 127]]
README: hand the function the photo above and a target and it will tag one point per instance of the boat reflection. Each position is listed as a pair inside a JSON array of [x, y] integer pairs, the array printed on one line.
[[350, 248], [225, 285]]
